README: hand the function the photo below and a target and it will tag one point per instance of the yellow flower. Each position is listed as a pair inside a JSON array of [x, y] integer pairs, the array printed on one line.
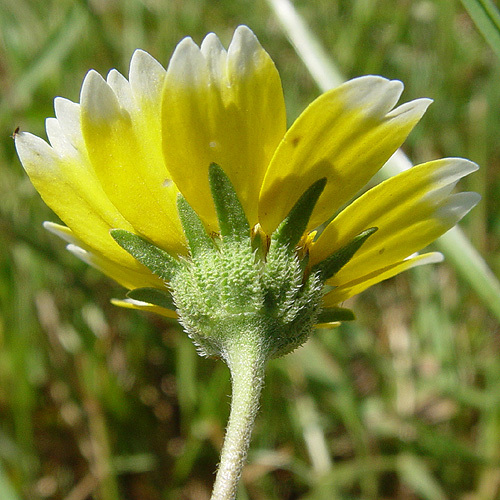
[[119, 158]]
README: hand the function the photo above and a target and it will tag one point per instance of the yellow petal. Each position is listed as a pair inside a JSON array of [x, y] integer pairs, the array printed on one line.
[[65, 180], [144, 306], [222, 107], [345, 135], [410, 210], [121, 132], [125, 276], [354, 287]]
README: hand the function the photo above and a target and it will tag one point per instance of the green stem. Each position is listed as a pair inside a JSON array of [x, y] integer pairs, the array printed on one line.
[[246, 361]]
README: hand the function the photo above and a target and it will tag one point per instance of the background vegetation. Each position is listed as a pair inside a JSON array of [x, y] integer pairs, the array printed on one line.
[[99, 402]]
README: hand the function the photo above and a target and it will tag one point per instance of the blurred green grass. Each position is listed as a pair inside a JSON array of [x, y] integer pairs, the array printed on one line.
[[99, 402]]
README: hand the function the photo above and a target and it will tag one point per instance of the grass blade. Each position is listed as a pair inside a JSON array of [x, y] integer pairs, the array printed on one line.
[[7, 491], [486, 17]]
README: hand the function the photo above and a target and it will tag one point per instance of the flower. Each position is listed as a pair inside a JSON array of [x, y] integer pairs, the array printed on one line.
[[120, 158]]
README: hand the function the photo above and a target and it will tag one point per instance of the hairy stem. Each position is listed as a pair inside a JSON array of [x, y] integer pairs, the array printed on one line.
[[246, 361]]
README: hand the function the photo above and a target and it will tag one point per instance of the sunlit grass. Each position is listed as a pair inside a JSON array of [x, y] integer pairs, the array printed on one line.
[[401, 404]]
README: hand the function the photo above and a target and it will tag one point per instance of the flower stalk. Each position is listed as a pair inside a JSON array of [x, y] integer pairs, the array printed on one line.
[[246, 360]]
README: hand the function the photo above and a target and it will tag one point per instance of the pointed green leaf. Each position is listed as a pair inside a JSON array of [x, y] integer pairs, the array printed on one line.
[[154, 296], [193, 227], [295, 223], [333, 314], [332, 265], [232, 219], [155, 259]]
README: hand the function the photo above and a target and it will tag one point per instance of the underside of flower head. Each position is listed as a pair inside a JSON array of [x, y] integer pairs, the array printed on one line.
[[121, 158], [227, 285]]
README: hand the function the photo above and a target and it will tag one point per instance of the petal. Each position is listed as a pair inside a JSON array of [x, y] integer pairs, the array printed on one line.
[[128, 162], [222, 107], [354, 287], [129, 278], [147, 93], [121, 87], [68, 117], [144, 306], [69, 186], [345, 135], [59, 140], [410, 210], [64, 232], [124, 276]]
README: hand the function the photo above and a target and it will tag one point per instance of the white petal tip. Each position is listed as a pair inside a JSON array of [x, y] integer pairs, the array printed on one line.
[[243, 34], [79, 252], [185, 47], [134, 302], [373, 94], [426, 258], [464, 166], [187, 65], [412, 110], [244, 30], [370, 82], [422, 103], [62, 232], [98, 101], [143, 63], [434, 258], [35, 153], [65, 109], [245, 42], [211, 45], [54, 228], [142, 58], [457, 207], [450, 170], [146, 75], [113, 76]]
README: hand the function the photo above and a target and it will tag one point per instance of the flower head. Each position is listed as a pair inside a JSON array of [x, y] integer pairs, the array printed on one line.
[[131, 149]]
